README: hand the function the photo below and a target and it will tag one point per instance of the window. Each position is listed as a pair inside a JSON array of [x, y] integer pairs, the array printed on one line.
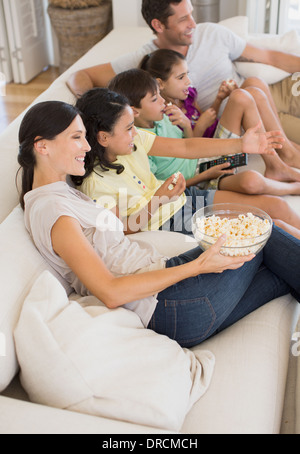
[[289, 16], [273, 16]]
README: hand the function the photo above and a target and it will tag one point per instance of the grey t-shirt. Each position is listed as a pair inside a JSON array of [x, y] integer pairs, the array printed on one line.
[[210, 60], [121, 255]]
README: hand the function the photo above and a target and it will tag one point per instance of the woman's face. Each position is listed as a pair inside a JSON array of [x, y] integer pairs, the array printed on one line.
[[177, 85], [66, 153], [120, 142]]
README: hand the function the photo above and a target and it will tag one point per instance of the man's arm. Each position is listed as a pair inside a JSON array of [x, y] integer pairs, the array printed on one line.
[[287, 62], [85, 79]]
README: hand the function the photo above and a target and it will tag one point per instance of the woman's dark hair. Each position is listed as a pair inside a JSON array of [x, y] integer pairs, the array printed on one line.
[[45, 120], [134, 84], [160, 63], [158, 9], [100, 109]]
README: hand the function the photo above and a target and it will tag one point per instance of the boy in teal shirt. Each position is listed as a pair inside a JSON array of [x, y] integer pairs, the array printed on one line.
[[164, 167], [142, 91]]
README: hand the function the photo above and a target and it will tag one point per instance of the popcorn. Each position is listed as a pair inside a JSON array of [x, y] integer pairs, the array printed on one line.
[[241, 233], [174, 181], [230, 82]]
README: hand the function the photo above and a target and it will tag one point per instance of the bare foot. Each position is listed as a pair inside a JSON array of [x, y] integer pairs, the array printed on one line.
[[290, 156], [295, 145], [294, 188], [282, 173]]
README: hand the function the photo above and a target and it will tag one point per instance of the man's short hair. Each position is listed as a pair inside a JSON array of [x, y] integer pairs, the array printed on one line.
[[158, 9]]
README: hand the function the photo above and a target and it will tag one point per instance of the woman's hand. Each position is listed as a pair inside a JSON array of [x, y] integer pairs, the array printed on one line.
[[166, 194], [258, 142], [212, 261]]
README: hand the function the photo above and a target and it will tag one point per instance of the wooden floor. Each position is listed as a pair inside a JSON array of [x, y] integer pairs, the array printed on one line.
[[19, 96]]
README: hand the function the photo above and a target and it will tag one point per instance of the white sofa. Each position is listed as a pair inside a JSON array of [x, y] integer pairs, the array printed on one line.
[[254, 384]]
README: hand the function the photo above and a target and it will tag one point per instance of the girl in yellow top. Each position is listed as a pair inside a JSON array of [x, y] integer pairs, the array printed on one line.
[[118, 172]]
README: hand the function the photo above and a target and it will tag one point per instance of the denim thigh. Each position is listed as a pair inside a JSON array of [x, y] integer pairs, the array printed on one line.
[[199, 307], [193, 309], [181, 222]]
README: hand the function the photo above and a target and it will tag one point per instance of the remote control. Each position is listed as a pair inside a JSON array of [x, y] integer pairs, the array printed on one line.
[[237, 160]]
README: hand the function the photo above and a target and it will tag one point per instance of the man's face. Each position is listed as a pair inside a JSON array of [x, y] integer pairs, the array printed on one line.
[[180, 26]]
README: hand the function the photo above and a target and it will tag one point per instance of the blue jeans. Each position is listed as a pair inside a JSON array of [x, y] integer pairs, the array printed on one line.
[[197, 308], [181, 222]]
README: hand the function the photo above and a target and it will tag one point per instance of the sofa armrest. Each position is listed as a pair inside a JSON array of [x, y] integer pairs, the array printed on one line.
[[19, 417]]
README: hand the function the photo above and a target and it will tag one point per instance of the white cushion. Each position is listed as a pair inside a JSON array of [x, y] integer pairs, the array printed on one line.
[[249, 381], [238, 24], [269, 74], [84, 357], [288, 42], [20, 264]]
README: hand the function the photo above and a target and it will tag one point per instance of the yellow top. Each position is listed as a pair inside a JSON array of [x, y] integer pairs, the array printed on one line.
[[133, 189]]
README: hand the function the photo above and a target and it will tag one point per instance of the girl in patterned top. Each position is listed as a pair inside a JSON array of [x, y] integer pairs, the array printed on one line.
[[170, 69], [241, 112]]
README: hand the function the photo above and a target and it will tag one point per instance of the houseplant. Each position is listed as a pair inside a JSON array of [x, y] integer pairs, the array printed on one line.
[[79, 25]]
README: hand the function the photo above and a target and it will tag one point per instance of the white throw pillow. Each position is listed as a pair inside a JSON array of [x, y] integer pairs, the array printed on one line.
[[20, 265], [269, 74], [84, 357], [289, 42]]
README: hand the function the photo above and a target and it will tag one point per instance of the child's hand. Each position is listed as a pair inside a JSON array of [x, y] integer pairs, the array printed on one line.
[[207, 119], [217, 171], [177, 117], [226, 88], [169, 192]]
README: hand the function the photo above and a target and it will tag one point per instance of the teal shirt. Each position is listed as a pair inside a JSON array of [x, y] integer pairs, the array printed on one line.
[[163, 168]]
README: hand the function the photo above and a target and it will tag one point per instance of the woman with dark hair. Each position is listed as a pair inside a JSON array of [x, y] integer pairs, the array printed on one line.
[[188, 298], [59, 117]]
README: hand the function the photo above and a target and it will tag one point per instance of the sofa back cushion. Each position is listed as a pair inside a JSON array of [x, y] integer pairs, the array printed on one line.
[[20, 265]]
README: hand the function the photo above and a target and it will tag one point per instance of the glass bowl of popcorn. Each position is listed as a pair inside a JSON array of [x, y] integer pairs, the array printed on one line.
[[247, 228]]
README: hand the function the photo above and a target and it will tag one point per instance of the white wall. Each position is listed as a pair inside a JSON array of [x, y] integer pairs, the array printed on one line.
[[128, 12], [230, 8]]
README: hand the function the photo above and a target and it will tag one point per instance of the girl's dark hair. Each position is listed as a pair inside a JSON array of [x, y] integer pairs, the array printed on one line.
[[134, 84], [158, 9], [100, 109], [44, 120], [160, 63]]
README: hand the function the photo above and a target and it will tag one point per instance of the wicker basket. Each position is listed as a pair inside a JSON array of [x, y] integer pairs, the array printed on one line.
[[79, 30]]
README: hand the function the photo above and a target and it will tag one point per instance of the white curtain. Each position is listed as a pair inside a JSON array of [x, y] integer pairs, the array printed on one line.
[[289, 16], [273, 16]]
